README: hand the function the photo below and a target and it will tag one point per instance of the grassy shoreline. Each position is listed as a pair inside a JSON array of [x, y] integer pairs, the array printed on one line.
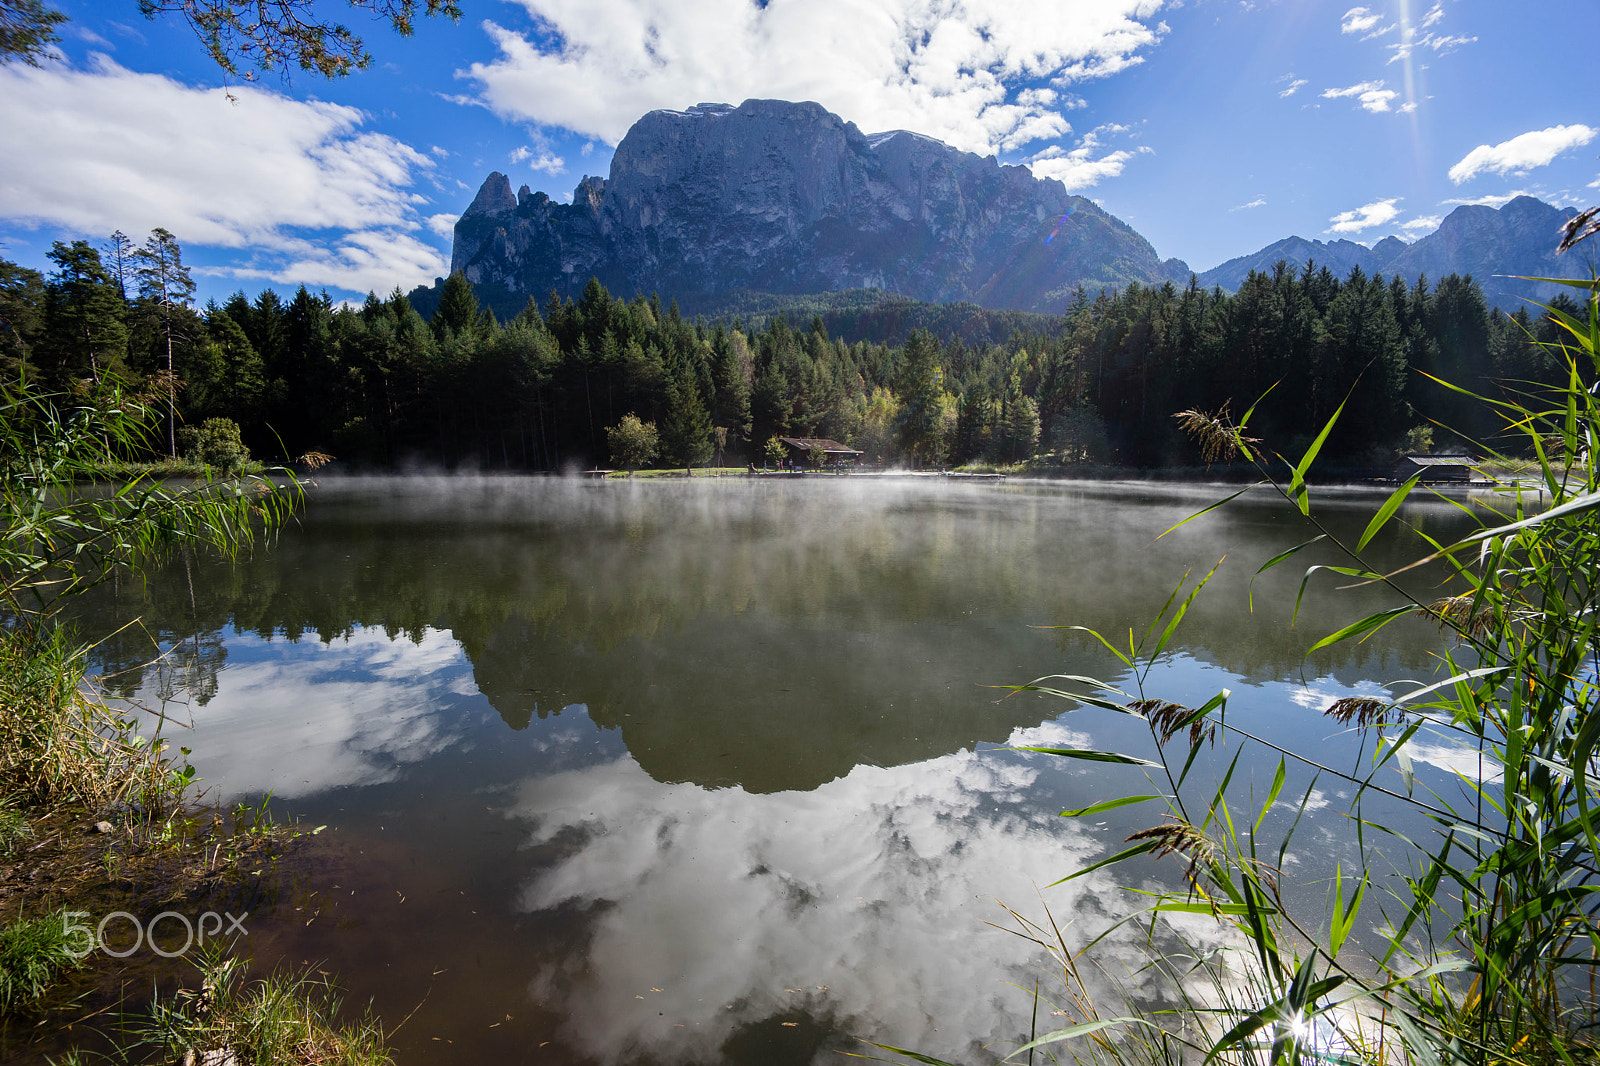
[[96, 821]]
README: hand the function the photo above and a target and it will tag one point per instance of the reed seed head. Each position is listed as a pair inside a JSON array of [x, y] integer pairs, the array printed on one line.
[[1167, 718], [1363, 711]]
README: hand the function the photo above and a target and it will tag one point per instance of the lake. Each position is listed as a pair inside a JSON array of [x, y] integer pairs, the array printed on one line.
[[717, 771]]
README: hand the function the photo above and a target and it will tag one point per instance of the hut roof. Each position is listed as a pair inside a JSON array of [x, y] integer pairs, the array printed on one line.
[[1440, 460], [829, 447]]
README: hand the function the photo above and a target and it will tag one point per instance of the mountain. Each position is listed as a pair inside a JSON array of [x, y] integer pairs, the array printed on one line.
[[788, 198], [1518, 239]]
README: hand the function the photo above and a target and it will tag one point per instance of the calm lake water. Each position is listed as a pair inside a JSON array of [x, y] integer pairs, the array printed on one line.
[[666, 772]]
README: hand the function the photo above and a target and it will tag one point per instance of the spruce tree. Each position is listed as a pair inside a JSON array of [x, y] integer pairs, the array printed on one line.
[[686, 433], [86, 334], [21, 314], [731, 377], [458, 307], [919, 387]]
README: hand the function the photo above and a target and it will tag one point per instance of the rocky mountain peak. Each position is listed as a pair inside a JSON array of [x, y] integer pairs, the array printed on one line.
[[784, 197], [494, 196], [1388, 248]]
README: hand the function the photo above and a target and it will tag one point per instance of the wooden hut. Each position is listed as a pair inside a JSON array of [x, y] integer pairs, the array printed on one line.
[[836, 456], [1435, 467]]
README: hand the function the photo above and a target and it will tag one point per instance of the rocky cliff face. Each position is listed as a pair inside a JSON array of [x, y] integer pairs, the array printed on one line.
[[788, 198], [1518, 239]]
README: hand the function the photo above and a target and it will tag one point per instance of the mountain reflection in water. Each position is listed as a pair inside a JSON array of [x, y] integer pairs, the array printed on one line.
[[714, 763]]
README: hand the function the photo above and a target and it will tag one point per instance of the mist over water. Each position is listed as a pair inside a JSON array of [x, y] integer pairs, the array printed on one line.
[[713, 771]]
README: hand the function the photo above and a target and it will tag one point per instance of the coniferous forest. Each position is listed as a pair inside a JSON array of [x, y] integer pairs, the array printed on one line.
[[379, 385]]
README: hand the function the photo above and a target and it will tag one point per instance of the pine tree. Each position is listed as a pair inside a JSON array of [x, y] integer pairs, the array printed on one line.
[[164, 283], [1461, 330], [1022, 428], [975, 419], [304, 376], [120, 252], [27, 30], [770, 402]]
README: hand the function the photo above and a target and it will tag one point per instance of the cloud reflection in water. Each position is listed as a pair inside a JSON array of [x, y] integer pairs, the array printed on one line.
[[861, 902], [297, 718]]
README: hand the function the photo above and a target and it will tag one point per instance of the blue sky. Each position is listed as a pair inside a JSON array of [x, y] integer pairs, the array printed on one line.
[[1212, 126]]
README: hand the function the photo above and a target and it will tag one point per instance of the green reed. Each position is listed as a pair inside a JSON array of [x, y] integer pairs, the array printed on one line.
[[1488, 945]]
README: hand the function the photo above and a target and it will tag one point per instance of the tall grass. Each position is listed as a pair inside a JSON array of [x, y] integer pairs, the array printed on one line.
[[1487, 949], [34, 953], [284, 1019], [61, 535], [60, 743]]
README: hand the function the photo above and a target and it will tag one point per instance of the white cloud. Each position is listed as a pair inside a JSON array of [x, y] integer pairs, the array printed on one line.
[[1364, 217], [1371, 95], [246, 169], [1523, 153], [1425, 222], [1446, 45], [367, 261], [1420, 35], [543, 159], [1079, 168], [953, 70], [1259, 201], [1495, 199], [1410, 42], [88, 36], [1359, 20], [131, 32], [1294, 86], [443, 225]]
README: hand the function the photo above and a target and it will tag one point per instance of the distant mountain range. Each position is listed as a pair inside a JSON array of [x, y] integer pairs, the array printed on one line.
[[719, 205], [788, 198], [1517, 240]]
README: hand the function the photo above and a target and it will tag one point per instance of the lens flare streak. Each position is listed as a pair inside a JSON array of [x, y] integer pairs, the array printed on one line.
[[1061, 223]]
